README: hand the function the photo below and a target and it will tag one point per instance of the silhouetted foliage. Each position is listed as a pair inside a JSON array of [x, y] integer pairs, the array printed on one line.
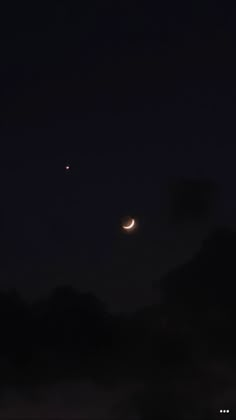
[[200, 296], [72, 335], [191, 199]]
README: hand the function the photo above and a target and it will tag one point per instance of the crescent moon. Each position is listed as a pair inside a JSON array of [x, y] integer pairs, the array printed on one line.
[[130, 225]]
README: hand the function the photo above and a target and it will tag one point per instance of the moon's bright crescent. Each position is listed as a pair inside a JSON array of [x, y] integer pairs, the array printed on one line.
[[130, 225]]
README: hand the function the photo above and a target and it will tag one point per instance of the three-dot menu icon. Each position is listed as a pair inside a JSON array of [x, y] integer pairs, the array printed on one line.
[[224, 411]]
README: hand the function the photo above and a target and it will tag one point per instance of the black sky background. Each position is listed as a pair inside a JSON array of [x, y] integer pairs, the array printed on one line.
[[140, 102], [131, 98]]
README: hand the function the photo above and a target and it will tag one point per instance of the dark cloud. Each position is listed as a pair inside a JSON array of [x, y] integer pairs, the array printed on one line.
[[190, 199]]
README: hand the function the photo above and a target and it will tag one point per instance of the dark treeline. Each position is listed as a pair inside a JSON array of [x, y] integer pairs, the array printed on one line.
[[68, 335], [72, 336]]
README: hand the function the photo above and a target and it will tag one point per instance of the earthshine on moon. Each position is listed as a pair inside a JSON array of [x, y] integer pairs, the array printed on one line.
[[129, 224]]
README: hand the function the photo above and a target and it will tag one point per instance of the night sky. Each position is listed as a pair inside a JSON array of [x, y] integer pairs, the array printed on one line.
[[133, 100]]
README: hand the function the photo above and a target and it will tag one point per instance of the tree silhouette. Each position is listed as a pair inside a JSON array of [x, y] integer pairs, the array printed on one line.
[[200, 294]]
